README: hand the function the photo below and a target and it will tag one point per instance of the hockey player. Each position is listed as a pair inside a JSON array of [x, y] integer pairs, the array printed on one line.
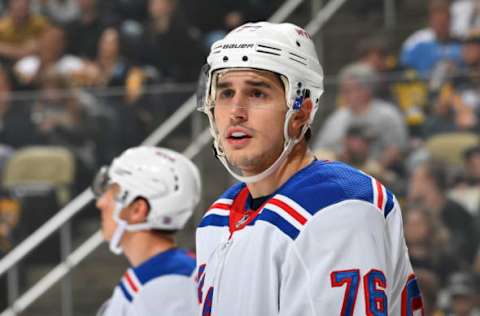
[[296, 236], [146, 195]]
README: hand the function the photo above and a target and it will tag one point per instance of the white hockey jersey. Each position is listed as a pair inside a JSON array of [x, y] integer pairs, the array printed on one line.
[[163, 285], [328, 242]]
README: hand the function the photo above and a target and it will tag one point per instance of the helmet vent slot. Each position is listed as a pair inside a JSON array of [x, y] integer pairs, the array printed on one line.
[[269, 47], [298, 61], [297, 56], [267, 52]]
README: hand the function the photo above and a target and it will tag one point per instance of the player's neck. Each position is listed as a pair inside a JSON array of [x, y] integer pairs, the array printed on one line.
[[141, 246], [299, 158]]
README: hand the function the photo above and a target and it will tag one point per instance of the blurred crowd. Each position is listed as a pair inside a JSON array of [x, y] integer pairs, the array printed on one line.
[[410, 117], [94, 77], [81, 81]]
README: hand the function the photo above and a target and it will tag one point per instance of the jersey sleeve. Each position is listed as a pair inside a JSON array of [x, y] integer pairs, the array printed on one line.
[[169, 296], [351, 261]]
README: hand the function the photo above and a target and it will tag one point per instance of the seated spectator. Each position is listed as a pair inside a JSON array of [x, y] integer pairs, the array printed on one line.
[[465, 17], [62, 119], [59, 11], [402, 87], [20, 30], [452, 113], [457, 105], [374, 51], [467, 189], [58, 114], [51, 48], [427, 188], [111, 68], [169, 44], [362, 108], [428, 242], [14, 117], [84, 32], [356, 152], [462, 293], [425, 48]]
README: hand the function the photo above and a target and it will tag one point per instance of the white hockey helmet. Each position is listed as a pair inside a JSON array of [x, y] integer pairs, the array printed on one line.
[[167, 180], [284, 49]]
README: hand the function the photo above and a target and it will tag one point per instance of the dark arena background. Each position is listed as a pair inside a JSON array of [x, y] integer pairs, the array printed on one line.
[[82, 80]]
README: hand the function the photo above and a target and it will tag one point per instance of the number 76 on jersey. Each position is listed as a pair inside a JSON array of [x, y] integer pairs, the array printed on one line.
[[374, 285]]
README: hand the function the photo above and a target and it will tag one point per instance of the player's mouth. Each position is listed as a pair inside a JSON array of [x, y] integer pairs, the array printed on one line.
[[238, 137]]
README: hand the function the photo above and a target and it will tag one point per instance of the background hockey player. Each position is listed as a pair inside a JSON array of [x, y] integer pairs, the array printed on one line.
[[146, 195], [296, 236]]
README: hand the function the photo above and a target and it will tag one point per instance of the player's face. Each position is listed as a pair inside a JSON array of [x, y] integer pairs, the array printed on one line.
[[106, 205], [250, 113]]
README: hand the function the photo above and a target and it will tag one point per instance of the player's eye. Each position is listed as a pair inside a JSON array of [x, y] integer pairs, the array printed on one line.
[[226, 94], [258, 94]]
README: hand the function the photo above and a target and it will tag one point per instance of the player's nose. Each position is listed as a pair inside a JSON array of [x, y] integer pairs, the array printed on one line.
[[239, 108]]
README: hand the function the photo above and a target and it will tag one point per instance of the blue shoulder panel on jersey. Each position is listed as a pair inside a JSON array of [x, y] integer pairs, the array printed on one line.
[[172, 262], [325, 183]]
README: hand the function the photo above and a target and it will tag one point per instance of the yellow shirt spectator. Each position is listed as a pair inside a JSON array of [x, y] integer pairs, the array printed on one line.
[[12, 34]]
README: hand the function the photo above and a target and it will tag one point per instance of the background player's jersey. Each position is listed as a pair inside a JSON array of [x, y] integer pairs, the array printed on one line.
[[328, 242], [162, 285]]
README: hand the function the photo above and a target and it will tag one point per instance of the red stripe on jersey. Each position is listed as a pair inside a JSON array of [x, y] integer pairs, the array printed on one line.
[[302, 220], [417, 304], [222, 206], [380, 194], [130, 282]]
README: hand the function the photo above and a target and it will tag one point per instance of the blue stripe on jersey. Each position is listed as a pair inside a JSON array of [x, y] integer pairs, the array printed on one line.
[[125, 291], [278, 221], [171, 262], [214, 220], [389, 204]]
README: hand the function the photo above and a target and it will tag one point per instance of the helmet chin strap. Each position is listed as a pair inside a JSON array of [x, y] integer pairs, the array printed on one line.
[[288, 145], [117, 237], [122, 227], [119, 230]]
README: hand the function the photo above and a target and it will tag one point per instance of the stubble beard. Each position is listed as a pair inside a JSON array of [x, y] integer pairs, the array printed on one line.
[[251, 164]]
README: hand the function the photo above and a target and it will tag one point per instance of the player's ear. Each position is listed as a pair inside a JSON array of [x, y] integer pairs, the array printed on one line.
[[138, 211], [301, 117]]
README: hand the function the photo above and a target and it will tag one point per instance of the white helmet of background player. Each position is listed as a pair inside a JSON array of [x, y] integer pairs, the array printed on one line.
[[285, 49], [167, 180]]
